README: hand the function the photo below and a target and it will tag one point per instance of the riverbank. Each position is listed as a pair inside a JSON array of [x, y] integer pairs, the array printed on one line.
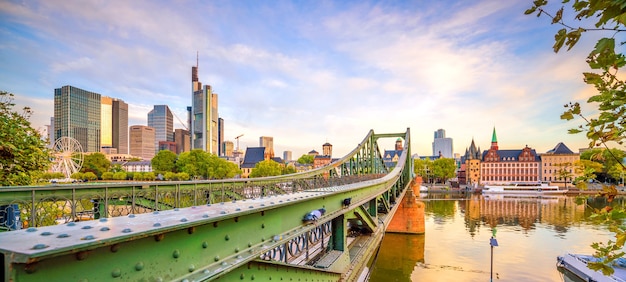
[[572, 191]]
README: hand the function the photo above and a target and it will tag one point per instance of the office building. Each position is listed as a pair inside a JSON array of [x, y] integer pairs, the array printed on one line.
[[204, 116], [113, 125], [268, 143], [161, 119], [442, 146], [287, 156], [220, 137], [77, 115], [142, 143], [229, 149], [183, 140]]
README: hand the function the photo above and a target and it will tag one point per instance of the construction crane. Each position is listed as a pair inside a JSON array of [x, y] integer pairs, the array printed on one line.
[[181, 122], [238, 141]]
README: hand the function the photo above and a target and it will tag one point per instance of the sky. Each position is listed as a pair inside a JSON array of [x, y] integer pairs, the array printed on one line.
[[308, 72]]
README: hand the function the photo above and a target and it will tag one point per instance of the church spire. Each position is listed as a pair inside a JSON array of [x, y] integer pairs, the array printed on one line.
[[494, 140]]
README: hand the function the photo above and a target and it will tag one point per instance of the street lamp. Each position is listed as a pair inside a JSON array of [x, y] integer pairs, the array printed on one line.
[[494, 243]]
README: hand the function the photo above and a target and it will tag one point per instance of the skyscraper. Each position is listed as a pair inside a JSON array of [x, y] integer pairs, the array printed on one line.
[[120, 126], [220, 137], [268, 143], [442, 146], [161, 119], [142, 141], [114, 124], [77, 115], [204, 116]]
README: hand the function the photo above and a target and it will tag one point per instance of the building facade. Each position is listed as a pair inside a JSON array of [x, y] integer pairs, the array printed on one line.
[[77, 114], [204, 120], [268, 143], [507, 166], [183, 140], [161, 119], [142, 143], [558, 165], [120, 126], [471, 166], [442, 146]]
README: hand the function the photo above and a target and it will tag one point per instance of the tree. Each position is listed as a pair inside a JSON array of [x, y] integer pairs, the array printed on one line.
[[164, 161], [289, 169], [564, 172], [23, 153], [219, 168], [97, 163], [444, 168], [266, 168], [193, 163], [423, 168], [306, 159], [610, 124]]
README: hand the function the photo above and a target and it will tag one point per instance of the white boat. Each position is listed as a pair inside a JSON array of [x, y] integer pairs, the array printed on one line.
[[523, 188], [577, 265]]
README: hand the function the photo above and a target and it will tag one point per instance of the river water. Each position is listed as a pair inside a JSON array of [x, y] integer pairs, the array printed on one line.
[[530, 232]]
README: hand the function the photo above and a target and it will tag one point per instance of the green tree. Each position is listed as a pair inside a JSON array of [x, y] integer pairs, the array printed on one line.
[[306, 159], [120, 175], [23, 153], [97, 163], [444, 169], [609, 125], [194, 163], [182, 176], [289, 169], [218, 168], [89, 176], [107, 175], [423, 168], [266, 168], [164, 161]]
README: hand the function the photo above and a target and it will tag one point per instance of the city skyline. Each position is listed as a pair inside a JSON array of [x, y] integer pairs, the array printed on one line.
[[308, 72]]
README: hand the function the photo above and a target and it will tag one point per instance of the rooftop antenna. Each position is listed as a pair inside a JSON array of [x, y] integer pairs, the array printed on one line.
[[197, 55]]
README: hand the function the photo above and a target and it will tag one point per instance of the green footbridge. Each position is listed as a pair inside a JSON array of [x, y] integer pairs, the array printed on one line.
[[226, 230]]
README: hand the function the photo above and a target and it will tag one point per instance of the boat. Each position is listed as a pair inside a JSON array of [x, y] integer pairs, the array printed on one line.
[[577, 265], [523, 188]]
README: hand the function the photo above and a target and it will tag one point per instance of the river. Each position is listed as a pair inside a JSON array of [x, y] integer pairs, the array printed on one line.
[[530, 232]]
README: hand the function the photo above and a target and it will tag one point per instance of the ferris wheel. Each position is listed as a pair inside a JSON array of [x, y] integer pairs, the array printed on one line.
[[68, 156]]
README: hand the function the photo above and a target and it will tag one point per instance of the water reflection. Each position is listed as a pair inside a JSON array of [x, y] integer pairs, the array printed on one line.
[[531, 232]]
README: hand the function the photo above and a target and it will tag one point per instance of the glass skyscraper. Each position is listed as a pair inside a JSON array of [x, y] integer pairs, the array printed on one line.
[[162, 120], [77, 114]]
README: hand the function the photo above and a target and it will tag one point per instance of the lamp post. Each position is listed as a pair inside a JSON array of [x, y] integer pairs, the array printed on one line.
[[494, 243]]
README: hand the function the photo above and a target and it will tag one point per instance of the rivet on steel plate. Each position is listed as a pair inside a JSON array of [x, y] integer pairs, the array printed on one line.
[[70, 224], [251, 207], [46, 233], [176, 209], [64, 235], [155, 212], [116, 273], [131, 215], [205, 216], [40, 246], [192, 268], [88, 237], [105, 229], [183, 220], [126, 230], [236, 250], [238, 209], [86, 227], [216, 258], [103, 219], [223, 212], [176, 254], [205, 245], [139, 266], [226, 237], [31, 229], [156, 224]]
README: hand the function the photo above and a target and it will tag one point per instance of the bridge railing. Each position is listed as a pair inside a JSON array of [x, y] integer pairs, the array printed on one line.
[[33, 206]]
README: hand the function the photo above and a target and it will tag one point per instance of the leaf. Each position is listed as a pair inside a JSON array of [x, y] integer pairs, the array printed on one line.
[[559, 40]]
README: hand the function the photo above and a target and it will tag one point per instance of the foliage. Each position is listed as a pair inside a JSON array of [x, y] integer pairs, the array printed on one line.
[[23, 153], [423, 168], [219, 168], [565, 172], [193, 163], [116, 168], [89, 176], [610, 123], [120, 175], [182, 176], [164, 161], [77, 175], [97, 163], [289, 169], [266, 168], [107, 175], [306, 159], [444, 169]]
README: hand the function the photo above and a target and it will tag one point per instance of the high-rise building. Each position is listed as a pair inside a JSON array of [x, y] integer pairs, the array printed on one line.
[[51, 132], [183, 140], [120, 126], [287, 156], [77, 115], [268, 143], [204, 116], [442, 146], [161, 119], [220, 137], [229, 149], [113, 125], [142, 141]]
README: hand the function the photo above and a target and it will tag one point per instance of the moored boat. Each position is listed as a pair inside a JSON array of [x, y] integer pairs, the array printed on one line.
[[577, 265], [524, 188]]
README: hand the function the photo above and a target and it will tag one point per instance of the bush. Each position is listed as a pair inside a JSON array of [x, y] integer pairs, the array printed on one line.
[[120, 175], [107, 175], [182, 176]]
